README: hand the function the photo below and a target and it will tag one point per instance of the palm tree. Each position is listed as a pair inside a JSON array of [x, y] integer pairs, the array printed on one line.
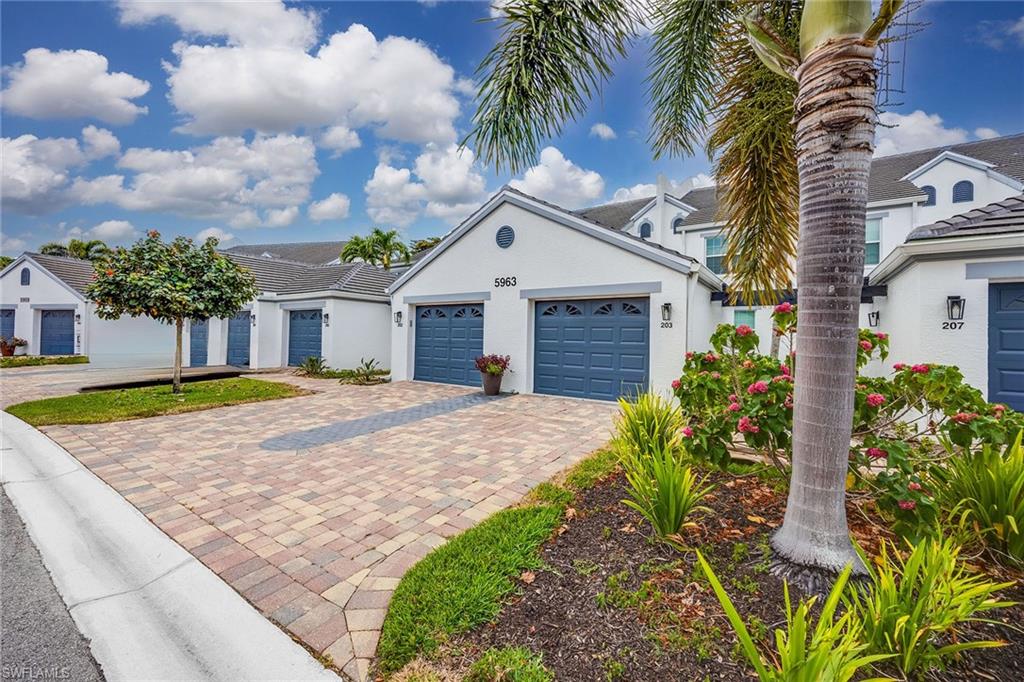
[[378, 248], [94, 249], [790, 88]]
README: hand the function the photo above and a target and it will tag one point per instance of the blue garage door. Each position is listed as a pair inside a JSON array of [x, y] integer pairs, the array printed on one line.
[[239, 328], [305, 329], [197, 339], [1006, 344], [448, 339], [57, 332], [591, 349], [6, 323]]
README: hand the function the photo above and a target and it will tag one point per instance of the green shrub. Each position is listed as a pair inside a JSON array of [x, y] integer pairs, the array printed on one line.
[[833, 654], [511, 664], [663, 489], [647, 424], [36, 360], [912, 607], [313, 366], [986, 490]]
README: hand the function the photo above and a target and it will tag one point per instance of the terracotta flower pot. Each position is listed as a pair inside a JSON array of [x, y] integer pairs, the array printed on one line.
[[8, 351], [492, 383]]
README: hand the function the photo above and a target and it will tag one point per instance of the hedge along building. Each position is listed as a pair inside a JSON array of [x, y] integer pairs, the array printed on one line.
[[669, 249], [337, 312]]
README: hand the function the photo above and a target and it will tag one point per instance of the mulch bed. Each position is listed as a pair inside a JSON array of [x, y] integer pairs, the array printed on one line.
[[612, 604]]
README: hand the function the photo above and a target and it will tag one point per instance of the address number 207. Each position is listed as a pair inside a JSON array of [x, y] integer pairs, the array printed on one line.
[[504, 281]]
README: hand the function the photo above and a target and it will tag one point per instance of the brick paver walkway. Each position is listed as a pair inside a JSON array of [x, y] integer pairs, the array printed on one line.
[[313, 507]]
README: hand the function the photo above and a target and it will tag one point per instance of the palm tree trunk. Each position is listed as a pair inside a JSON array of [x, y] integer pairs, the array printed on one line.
[[835, 123], [176, 380]]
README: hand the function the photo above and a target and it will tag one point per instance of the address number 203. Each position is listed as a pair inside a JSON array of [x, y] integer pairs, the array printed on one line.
[[504, 281]]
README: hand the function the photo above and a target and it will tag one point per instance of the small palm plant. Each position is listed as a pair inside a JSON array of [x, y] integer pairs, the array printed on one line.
[[664, 490], [647, 424], [313, 366], [833, 654]]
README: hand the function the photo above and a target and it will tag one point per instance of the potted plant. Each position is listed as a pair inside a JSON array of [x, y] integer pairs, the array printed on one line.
[[492, 368], [8, 346]]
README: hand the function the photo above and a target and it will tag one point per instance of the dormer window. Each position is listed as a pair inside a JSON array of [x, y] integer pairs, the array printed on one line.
[[26, 277], [963, 191], [645, 229], [677, 225], [929, 192]]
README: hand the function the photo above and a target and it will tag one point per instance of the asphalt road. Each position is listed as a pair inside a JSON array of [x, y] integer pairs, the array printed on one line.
[[38, 638]]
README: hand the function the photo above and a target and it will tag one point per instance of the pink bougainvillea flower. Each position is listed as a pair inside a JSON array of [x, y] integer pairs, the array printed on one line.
[[784, 369], [881, 336], [866, 345], [744, 330], [788, 402], [710, 357], [746, 425], [914, 485], [689, 354], [877, 453], [734, 407], [784, 307], [920, 369], [899, 366], [687, 431], [997, 408], [964, 417], [733, 398], [781, 377], [675, 384], [875, 399], [907, 505], [757, 387], [716, 375]]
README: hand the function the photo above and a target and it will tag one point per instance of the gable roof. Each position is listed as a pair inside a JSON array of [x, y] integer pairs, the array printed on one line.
[[886, 183], [311, 253], [1000, 217], [615, 215], [74, 272]]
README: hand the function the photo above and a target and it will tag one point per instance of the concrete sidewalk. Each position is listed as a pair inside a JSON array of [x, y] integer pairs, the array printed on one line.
[[151, 610]]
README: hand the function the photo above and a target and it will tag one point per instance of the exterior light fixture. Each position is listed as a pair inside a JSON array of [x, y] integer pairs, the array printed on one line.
[[955, 307], [253, 319], [78, 318], [398, 318], [873, 318], [327, 319], [666, 312]]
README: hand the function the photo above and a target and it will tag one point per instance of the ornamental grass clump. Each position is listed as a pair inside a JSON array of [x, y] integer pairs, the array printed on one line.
[[664, 490], [647, 424], [912, 608], [834, 652]]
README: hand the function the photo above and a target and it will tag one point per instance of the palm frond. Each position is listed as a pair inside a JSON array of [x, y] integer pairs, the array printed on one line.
[[683, 72], [755, 157], [551, 58]]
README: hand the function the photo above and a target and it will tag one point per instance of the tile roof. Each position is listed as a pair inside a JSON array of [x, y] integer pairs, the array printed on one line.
[[1002, 217], [274, 275], [615, 215], [311, 253]]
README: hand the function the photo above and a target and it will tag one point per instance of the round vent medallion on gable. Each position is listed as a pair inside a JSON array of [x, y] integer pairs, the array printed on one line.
[[505, 236]]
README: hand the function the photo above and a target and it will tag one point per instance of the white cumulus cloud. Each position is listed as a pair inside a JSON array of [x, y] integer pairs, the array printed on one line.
[[112, 231], [676, 188], [603, 131], [99, 143], [560, 181], [339, 140], [36, 171], [334, 207], [71, 84], [222, 236], [985, 133], [898, 133]]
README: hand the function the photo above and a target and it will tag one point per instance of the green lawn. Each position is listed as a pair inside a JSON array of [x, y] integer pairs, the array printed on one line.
[[137, 403], [36, 360]]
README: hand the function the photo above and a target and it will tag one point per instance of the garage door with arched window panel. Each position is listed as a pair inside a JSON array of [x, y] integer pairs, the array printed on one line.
[[239, 330], [1006, 344], [57, 332], [448, 339], [592, 348], [305, 336], [198, 343]]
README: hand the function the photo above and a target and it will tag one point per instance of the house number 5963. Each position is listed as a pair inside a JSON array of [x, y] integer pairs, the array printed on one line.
[[504, 281]]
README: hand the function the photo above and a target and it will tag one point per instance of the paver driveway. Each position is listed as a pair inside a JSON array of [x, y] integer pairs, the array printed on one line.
[[313, 507]]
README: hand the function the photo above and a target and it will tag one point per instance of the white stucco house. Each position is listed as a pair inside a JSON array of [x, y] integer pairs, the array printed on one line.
[[595, 302], [336, 311]]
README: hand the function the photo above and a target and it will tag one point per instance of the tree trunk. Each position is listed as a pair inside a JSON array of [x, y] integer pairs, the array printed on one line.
[[176, 381], [776, 342], [835, 123]]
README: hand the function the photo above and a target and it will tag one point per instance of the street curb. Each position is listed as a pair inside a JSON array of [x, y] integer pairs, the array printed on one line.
[[151, 610]]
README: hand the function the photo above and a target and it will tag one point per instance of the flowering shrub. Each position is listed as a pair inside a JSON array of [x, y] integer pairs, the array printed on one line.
[[493, 364]]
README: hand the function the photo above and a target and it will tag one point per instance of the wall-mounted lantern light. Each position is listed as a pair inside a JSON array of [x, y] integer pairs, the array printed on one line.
[[666, 312], [78, 318], [252, 318], [873, 318], [327, 319], [398, 318], [955, 307]]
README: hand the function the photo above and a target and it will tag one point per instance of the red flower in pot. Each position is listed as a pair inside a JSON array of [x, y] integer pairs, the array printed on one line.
[[492, 368]]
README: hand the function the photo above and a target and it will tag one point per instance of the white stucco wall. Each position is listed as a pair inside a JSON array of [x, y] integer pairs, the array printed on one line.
[[358, 330], [943, 175], [128, 342], [544, 255]]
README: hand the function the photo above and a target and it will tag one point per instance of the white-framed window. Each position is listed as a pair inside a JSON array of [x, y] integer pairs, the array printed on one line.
[[746, 317], [963, 191], [645, 229], [872, 241], [929, 192], [714, 253]]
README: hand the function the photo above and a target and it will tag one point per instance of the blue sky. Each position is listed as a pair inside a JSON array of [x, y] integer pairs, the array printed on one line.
[[304, 121]]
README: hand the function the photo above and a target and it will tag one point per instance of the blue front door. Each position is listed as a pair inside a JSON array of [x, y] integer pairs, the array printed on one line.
[[591, 348], [198, 337], [305, 334], [239, 328], [448, 340], [57, 332], [6, 323], [1006, 344]]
